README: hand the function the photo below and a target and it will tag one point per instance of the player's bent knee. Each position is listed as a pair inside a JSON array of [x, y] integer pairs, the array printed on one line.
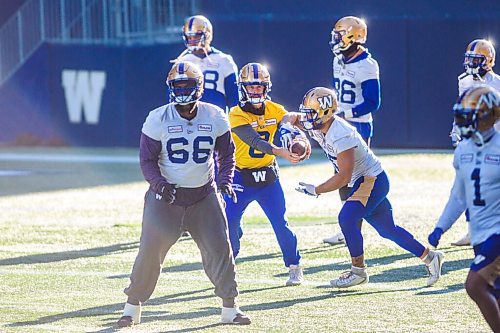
[[475, 286]]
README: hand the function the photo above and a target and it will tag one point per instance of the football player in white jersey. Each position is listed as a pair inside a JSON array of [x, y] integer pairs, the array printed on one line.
[[479, 59], [356, 165], [356, 80], [176, 157], [477, 188], [219, 69]]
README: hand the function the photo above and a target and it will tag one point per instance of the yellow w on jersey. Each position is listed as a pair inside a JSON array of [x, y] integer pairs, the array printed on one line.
[[266, 125]]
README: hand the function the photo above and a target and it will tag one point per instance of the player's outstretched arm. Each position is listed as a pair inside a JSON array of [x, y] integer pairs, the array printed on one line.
[[345, 161], [248, 135], [291, 118], [452, 211]]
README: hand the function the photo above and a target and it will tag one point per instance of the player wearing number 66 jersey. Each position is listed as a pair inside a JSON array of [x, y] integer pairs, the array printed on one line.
[[477, 188], [356, 81], [176, 156], [219, 69]]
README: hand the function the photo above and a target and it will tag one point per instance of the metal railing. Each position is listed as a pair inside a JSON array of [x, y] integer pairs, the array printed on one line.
[[108, 22]]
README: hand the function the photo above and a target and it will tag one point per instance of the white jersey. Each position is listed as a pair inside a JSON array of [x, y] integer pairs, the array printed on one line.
[[342, 136], [476, 187], [186, 157], [216, 67], [347, 81], [490, 78]]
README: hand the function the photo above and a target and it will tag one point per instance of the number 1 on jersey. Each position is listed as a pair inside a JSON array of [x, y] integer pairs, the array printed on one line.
[[477, 188]]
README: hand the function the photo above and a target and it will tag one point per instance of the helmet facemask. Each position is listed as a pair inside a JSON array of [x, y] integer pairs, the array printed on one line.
[[195, 41], [465, 120], [474, 123], [254, 97], [184, 91], [338, 43], [309, 118], [475, 64]]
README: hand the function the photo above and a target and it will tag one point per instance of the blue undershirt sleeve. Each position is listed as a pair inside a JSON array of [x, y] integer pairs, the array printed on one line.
[[371, 95], [231, 90]]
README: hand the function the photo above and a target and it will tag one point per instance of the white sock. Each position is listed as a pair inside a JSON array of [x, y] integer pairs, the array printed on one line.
[[428, 258], [133, 311], [228, 314], [361, 271]]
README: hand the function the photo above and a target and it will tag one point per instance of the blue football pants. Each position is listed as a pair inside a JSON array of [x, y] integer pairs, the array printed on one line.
[[272, 201], [368, 200]]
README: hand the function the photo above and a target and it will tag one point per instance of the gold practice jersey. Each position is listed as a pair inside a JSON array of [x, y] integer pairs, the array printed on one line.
[[266, 125]]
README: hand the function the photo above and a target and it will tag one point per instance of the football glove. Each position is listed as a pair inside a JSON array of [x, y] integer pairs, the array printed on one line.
[[167, 193], [308, 189], [435, 236], [287, 134], [227, 189]]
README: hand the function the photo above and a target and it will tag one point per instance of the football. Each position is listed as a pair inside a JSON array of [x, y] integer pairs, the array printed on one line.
[[299, 146]]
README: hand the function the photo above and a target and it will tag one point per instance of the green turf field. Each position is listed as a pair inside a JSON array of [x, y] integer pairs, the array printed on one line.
[[69, 232]]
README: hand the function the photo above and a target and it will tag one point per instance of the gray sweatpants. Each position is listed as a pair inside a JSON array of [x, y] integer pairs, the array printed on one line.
[[163, 224]]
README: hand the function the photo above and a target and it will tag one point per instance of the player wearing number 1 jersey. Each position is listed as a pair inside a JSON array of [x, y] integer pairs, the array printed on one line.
[[219, 69], [479, 60], [176, 156], [356, 81], [477, 188]]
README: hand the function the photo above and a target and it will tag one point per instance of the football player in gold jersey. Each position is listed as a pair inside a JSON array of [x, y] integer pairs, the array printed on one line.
[[254, 123]]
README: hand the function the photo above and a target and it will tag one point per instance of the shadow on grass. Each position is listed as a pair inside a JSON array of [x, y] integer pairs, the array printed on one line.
[[445, 290], [346, 265], [44, 258], [112, 308], [193, 266], [148, 313], [399, 274]]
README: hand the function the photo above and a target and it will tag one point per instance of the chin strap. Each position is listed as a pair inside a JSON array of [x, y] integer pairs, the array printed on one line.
[[481, 138]]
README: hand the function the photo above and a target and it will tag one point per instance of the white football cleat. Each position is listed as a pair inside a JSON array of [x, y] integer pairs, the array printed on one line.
[[464, 241], [234, 316], [351, 278], [335, 239], [435, 267], [296, 276]]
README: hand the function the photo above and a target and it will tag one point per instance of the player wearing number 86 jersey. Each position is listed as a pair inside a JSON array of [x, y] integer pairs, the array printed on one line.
[[355, 74], [356, 81]]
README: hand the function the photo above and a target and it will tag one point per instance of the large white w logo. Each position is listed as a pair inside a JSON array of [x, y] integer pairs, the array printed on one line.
[[83, 92], [325, 101], [259, 176]]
